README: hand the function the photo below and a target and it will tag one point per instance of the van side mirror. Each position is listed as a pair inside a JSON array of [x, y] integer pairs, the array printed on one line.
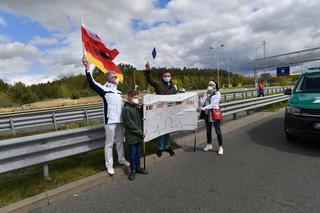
[[287, 91]]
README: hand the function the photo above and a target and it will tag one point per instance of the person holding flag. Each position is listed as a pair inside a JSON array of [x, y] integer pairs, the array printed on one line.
[[163, 87], [96, 52]]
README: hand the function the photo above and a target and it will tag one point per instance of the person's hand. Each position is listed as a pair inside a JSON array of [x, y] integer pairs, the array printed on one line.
[[147, 65], [85, 63], [199, 109]]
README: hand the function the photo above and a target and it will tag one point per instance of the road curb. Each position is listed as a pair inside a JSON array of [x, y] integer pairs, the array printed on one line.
[[45, 198]]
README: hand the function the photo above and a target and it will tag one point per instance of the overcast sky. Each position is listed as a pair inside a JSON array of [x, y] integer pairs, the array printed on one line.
[[40, 40]]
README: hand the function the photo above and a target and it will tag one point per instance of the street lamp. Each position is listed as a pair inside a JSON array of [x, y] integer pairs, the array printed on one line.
[[215, 48], [263, 44], [227, 64]]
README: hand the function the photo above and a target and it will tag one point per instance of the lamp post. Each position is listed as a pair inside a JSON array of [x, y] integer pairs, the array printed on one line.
[[227, 63], [215, 48], [264, 59]]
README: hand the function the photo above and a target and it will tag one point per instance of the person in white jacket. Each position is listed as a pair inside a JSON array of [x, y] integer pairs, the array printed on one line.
[[113, 105], [211, 101]]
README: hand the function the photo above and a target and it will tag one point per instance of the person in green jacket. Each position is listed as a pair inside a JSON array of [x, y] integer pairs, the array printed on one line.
[[133, 123]]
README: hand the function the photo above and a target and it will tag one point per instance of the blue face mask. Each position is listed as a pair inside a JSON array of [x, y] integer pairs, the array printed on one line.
[[167, 79]]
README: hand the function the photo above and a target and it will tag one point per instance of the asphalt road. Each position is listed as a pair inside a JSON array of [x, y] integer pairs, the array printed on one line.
[[259, 172]]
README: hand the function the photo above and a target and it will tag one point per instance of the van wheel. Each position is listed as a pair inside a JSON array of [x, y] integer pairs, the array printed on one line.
[[291, 137]]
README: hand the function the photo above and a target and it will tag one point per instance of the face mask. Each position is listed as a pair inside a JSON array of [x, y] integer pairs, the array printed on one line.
[[116, 81], [167, 79], [210, 90], [135, 101]]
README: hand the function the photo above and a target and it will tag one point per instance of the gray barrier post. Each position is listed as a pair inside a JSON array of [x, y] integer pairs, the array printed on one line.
[[234, 116], [54, 121], [86, 114], [12, 127], [46, 172]]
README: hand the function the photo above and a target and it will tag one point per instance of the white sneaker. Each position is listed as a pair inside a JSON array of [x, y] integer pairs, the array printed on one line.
[[220, 152], [124, 162], [208, 147], [110, 171]]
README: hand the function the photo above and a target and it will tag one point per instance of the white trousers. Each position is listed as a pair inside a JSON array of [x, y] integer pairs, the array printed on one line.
[[114, 134]]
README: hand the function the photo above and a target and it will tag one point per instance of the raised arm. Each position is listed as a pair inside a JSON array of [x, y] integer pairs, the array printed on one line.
[[92, 83], [148, 76]]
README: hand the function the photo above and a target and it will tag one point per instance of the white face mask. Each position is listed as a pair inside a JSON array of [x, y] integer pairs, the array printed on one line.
[[210, 90], [135, 101], [167, 79]]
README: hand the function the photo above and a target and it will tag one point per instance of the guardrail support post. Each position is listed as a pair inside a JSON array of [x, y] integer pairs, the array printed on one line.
[[234, 116], [234, 96], [12, 127], [54, 121], [86, 114], [225, 97], [248, 112], [46, 172]]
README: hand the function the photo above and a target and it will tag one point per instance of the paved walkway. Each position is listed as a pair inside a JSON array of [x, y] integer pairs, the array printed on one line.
[[260, 172]]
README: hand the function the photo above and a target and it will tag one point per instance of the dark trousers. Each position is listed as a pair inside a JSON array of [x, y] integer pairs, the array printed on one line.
[[216, 128], [260, 92], [134, 155]]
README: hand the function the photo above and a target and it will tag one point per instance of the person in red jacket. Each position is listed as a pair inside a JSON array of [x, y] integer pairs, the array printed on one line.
[[261, 89]]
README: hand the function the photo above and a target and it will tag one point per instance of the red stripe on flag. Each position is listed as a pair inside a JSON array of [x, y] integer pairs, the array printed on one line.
[[95, 40]]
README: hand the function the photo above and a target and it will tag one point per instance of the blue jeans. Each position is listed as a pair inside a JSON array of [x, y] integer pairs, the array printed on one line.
[[166, 141], [260, 92], [134, 155], [216, 128]]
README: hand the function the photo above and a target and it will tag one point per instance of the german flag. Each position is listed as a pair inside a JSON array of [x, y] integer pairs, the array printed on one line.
[[97, 52]]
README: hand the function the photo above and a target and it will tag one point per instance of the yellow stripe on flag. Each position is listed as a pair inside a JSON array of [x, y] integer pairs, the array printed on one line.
[[100, 65]]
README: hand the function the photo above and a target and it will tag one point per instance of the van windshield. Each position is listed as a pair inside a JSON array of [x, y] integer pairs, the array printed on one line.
[[310, 83]]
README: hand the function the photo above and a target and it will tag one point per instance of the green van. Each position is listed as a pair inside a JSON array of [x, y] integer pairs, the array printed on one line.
[[302, 116]]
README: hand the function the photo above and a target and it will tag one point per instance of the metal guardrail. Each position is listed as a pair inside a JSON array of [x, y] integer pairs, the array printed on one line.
[[52, 118], [32, 150]]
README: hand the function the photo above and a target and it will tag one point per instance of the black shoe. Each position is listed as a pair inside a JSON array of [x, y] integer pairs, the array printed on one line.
[[132, 175], [141, 171], [170, 151], [159, 152]]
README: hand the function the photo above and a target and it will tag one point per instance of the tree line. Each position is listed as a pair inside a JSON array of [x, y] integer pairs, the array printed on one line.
[[76, 86]]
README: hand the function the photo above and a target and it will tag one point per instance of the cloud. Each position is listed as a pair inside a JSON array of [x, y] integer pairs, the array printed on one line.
[[29, 79], [17, 49], [39, 41], [13, 65], [2, 22], [182, 31]]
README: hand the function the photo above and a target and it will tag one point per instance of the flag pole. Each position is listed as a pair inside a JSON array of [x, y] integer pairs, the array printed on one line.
[[81, 24], [144, 155], [195, 140]]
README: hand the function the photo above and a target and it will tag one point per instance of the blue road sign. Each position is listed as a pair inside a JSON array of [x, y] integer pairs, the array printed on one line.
[[283, 71]]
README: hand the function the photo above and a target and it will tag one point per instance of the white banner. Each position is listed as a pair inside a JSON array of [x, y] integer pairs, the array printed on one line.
[[169, 113]]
